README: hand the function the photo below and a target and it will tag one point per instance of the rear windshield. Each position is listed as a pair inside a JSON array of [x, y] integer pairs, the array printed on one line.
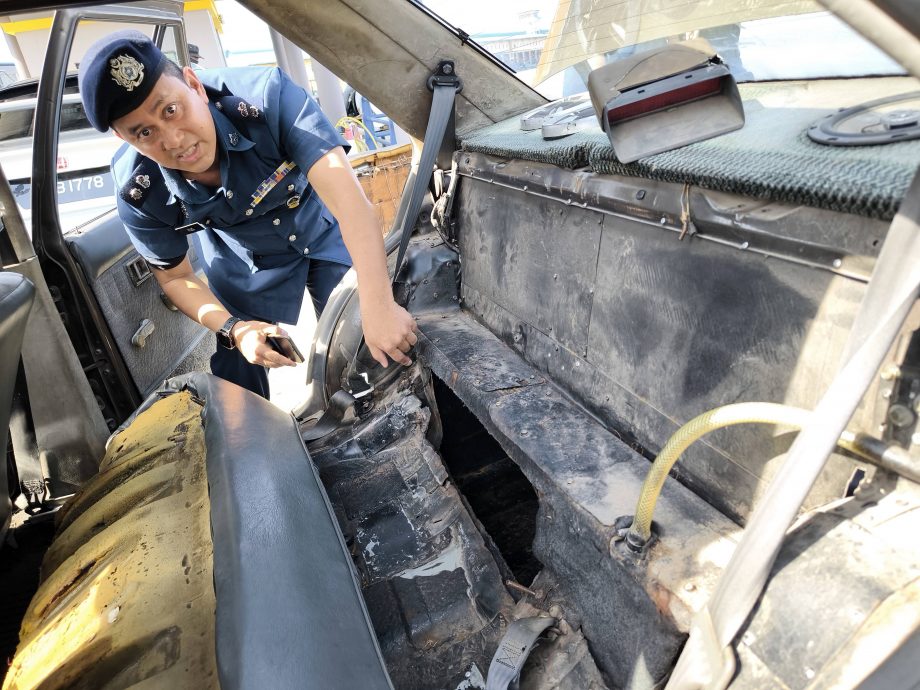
[[19, 123]]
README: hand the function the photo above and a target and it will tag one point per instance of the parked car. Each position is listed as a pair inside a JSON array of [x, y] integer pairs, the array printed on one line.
[[559, 489], [85, 189]]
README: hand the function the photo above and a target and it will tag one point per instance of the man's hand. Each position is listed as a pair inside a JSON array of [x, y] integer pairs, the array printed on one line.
[[249, 337], [389, 330]]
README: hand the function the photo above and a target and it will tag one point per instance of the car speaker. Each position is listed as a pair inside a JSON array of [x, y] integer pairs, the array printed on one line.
[[886, 120], [666, 98]]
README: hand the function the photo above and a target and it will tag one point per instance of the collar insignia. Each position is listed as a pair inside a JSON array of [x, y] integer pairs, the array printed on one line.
[[243, 108], [127, 72], [135, 193], [234, 138], [143, 181]]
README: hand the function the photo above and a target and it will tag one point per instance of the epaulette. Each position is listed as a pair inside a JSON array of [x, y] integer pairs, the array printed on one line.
[[238, 109], [135, 190]]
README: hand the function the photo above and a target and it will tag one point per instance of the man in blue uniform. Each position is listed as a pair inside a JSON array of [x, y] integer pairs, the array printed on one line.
[[242, 162]]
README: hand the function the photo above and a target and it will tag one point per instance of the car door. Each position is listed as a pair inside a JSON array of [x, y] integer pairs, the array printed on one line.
[[127, 334]]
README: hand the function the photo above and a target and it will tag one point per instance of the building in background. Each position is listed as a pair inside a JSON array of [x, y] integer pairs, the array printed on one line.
[[26, 37], [519, 49]]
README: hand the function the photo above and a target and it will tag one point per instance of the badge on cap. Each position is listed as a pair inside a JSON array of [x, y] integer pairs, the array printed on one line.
[[127, 72]]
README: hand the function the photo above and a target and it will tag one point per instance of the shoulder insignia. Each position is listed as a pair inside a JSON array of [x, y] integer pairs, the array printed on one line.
[[138, 184], [238, 109]]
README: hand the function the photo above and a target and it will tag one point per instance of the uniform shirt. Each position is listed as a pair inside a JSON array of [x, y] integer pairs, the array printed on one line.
[[255, 240]]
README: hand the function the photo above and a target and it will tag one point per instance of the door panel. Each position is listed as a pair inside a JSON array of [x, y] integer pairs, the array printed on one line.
[[153, 338]]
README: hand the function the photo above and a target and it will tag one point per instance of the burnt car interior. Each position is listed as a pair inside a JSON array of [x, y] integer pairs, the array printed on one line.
[[660, 430]]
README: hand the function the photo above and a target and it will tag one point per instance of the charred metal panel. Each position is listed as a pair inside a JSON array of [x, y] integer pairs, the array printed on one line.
[[521, 257], [433, 589], [842, 596], [585, 478], [663, 329]]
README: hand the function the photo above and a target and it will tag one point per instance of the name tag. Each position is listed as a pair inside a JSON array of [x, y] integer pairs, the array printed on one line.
[[191, 228]]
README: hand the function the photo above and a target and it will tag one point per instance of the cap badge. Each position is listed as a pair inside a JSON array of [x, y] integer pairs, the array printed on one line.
[[143, 181], [127, 72]]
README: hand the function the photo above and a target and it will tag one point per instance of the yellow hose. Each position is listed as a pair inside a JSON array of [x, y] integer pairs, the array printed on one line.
[[728, 415]]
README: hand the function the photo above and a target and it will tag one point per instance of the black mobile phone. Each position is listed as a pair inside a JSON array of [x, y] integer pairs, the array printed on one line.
[[284, 345]]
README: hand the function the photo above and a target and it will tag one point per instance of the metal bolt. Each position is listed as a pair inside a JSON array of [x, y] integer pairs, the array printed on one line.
[[555, 276], [901, 416], [447, 69], [891, 372], [837, 263], [640, 195], [663, 220], [524, 432], [745, 245]]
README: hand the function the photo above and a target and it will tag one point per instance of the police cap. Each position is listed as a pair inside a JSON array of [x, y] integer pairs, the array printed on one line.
[[116, 74]]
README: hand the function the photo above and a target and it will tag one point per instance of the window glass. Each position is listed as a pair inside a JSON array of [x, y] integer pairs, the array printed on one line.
[[554, 44]]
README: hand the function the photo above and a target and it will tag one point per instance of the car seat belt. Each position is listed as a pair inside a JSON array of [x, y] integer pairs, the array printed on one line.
[[444, 85], [513, 650], [707, 660], [25, 448]]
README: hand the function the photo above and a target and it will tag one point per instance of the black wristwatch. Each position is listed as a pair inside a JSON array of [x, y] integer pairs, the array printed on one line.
[[223, 335]]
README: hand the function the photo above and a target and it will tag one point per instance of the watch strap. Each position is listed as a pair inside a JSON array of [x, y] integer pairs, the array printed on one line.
[[224, 336]]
